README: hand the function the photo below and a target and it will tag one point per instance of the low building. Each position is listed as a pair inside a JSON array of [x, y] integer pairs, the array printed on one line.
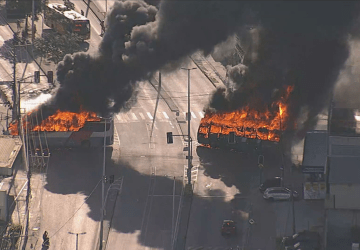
[[344, 182], [9, 151], [314, 163], [3, 205], [342, 201]]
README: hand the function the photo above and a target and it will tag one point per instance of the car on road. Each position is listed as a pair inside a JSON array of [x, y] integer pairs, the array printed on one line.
[[269, 183], [228, 228], [302, 240], [279, 193]]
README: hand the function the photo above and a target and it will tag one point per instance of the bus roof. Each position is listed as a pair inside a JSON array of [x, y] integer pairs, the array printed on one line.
[[71, 14]]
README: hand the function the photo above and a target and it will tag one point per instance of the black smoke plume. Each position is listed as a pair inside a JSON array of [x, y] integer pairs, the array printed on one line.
[[301, 43]]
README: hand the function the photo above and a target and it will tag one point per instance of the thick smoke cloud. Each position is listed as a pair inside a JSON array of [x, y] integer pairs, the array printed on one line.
[[236, 75], [301, 43], [304, 44]]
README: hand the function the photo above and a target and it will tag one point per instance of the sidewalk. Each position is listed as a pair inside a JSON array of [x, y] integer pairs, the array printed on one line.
[[17, 184]]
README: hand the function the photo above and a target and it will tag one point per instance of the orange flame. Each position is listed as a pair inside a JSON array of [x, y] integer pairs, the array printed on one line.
[[248, 122], [60, 121]]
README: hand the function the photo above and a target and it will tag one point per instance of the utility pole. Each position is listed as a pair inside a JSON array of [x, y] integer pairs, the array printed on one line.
[[189, 135], [173, 213], [77, 238], [103, 193], [32, 22], [14, 90]]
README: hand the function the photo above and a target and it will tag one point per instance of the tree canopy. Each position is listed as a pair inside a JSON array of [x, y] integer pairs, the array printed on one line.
[[23, 7], [55, 46]]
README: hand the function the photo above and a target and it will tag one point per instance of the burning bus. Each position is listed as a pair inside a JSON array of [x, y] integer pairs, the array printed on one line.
[[67, 129], [245, 129]]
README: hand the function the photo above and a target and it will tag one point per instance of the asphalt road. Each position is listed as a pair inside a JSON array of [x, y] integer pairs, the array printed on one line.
[[146, 210]]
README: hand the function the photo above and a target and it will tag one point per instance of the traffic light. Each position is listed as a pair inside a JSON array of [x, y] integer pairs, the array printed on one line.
[[232, 138], [50, 76], [112, 177], [169, 138], [37, 76]]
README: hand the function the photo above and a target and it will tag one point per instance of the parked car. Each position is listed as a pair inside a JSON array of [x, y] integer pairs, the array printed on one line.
[[303, 239], [269, 183], [228, 228], [305, 245], [279, 193]]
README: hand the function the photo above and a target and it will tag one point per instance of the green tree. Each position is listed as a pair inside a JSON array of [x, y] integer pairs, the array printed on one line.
[[24, 6], [55, 46], [69, 5]]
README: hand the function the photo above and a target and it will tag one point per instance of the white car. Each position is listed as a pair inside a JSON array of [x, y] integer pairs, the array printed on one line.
[[279, 193]]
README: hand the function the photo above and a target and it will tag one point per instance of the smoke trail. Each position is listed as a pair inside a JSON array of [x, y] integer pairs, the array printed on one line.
[[299, 43]]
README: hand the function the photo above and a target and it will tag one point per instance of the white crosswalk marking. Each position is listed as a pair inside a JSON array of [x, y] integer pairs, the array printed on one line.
[[142, 116], [201, 114], [120, 118], [134, 116], [116, 137], [193, 115], [126, 117], [165, 115], [149, 115]]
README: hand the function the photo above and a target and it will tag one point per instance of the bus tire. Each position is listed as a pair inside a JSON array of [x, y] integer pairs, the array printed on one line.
[[85, 144]]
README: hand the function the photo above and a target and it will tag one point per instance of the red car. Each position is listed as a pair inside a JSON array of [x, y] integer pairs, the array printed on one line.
[[228, 228]]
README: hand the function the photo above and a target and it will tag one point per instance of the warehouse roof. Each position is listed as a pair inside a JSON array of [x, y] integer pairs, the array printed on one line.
[[315, 148], [9, 148]]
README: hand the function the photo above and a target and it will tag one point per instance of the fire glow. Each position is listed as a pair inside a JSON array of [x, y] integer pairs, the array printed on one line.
[[248, 122], [60, 121]]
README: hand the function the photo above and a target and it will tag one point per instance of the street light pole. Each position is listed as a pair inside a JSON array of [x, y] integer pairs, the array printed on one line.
[[77, 237], [102, 193], [189, 135]]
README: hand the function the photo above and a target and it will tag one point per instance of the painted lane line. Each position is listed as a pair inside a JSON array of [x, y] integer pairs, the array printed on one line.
[[149, 115], [126, 117], [134, 117], [119, 118], [193, 115], [201, 114], [142, 116], [165, 115]]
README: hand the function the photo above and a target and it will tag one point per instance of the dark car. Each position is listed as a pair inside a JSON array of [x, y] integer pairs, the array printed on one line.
[[228, 228], [269, 183], [304, 240]]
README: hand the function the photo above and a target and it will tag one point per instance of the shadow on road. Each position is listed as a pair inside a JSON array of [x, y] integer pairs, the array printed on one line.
[[78, 171]]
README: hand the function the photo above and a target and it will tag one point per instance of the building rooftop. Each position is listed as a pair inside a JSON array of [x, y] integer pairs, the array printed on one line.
[[344, 146], [9, 149], [345, 122], [344, 170], [315, 148]]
